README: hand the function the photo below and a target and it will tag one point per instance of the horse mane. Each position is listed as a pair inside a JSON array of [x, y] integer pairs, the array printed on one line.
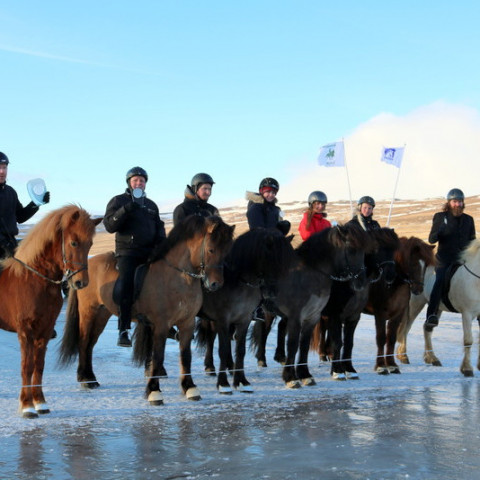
[[412, 245], [471, 251], [260, 251], [386, 237], [46, 232]]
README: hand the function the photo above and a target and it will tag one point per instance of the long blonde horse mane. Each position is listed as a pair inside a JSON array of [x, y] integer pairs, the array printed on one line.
[[471, 252], [46, 232]]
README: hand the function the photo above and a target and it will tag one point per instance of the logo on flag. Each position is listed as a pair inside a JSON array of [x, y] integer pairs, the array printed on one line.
[[332, 155], [393, 156]]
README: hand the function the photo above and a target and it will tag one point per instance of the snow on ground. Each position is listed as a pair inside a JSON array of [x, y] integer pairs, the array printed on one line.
[[422, 423]]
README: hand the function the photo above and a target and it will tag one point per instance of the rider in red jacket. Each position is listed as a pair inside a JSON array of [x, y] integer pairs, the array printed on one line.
[[314, 219]]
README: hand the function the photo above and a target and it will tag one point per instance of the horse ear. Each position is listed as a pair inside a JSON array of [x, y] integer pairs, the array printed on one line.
[[290, 238], [96, 221]]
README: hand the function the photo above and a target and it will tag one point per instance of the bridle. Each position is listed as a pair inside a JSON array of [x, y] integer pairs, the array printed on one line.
[[67, 273], [380, 270]]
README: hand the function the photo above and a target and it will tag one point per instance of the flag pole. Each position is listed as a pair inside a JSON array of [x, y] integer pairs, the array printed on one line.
[[394, 191], [348, 178]]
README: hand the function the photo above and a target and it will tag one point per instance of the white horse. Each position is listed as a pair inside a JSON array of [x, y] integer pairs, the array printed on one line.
[[464, 295]]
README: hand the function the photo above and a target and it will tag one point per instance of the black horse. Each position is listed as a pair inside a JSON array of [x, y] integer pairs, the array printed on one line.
[[341, 315], [334, 254], [257, 260]]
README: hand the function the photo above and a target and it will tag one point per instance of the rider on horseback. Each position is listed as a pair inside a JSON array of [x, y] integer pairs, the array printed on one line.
[[364, 215], [315, 218], [453, 230], [135, 220]]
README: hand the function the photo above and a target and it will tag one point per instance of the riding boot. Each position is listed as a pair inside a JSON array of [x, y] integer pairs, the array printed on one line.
[[124, 321]]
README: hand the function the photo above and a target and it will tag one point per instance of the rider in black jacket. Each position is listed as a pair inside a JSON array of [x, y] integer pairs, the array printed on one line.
[[364, 216], [12, 211], [453, 230], [135, 220], [196, 199]]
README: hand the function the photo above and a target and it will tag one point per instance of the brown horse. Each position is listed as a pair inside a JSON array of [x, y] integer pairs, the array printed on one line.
[[30, 291], [388, 303], [171, 295]]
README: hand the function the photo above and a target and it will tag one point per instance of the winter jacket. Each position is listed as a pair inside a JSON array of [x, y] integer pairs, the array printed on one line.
[[192, 205], [452, 233], [261, 213], [367, 223], [317, 224], [137, 228], [11, 213]]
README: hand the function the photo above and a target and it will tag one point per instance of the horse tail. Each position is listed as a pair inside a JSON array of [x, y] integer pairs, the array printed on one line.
[[143, 342], [255, 336], [69, 346], [315, 339], [204, 329]]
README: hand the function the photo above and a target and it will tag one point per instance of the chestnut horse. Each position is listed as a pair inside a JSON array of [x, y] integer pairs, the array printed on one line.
[[345, 305], [171, 295], [388, 303], [257, 260], [334, 254], [463, 294], [55, 249]]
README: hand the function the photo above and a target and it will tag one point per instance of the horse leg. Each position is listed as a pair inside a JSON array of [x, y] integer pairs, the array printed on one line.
[[303, 373], [466, 367], [26, 406], [210, 334], [239, 378], [261, 331], [429, 356], [280, 356], [224, 354], [152, 390], [186, 380], [347, 355], [381, 338], [288, 373], [322, 345], [392, 327], [335, 329], [91, 325], [415, 306], [39, 351]]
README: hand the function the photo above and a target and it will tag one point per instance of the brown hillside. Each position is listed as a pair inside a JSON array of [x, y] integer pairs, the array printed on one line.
[[408, 218]]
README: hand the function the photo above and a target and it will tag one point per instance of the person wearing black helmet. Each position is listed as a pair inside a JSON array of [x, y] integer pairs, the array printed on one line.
[[452, 230], [135, 220], [364, 215], [196, 199], [262, 210], [315, 218], [12, 211]]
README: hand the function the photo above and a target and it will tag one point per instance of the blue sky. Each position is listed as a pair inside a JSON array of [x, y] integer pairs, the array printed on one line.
[[240, 90]]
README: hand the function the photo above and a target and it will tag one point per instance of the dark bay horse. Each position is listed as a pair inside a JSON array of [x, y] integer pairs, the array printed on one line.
[[257, 260], [345, 305], [464, 296], [55, 248], [336, 253], [389, 303], [171, 295]]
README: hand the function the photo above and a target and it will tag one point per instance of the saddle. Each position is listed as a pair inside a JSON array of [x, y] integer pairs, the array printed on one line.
[[446, 285], [138, 281]]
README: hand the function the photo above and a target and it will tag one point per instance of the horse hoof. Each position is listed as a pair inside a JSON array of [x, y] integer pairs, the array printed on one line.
[[155, 398], [468, 373], [308, 382], [193, 394], [225, 390], [42, 408], [393, 369], [403, 359], [245, 388], [210, 371], [339, 376], [352, 375], [89, 384], [382, 371], [29, 412], [437, 363], [293, 384], [262, 364]]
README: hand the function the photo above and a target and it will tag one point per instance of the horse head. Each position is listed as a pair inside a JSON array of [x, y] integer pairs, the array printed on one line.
[[381, 264]]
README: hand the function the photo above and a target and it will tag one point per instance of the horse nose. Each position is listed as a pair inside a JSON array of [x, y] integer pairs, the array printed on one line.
[[213, 287]]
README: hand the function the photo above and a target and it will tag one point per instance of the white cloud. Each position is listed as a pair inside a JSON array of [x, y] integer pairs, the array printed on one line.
[[442, 147]]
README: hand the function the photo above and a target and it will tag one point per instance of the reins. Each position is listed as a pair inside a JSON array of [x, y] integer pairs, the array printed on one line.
[[469, 271], [67, 273]]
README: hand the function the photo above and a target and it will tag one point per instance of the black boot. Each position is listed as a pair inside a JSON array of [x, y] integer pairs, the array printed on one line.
[[123, 339], [431, 322]]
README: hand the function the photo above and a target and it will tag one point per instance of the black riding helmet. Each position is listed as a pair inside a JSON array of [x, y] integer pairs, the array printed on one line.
[[199, 179], [366, 199], [455, 194], [269, 182], [3, 159], [317, 196], [136, 172]]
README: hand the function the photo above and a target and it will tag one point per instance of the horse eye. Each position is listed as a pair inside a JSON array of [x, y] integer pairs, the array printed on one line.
[[74, 244]]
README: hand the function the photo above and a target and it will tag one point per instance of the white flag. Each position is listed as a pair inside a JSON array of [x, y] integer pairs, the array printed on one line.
[[332, 155], [393, 156]]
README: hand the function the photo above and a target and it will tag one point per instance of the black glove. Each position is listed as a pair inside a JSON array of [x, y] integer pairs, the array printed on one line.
[[284, 226], [46, 197], [131, 206]]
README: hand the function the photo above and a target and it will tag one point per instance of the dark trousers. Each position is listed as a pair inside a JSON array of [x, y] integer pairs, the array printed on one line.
[[126, 268], [436, 295]]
